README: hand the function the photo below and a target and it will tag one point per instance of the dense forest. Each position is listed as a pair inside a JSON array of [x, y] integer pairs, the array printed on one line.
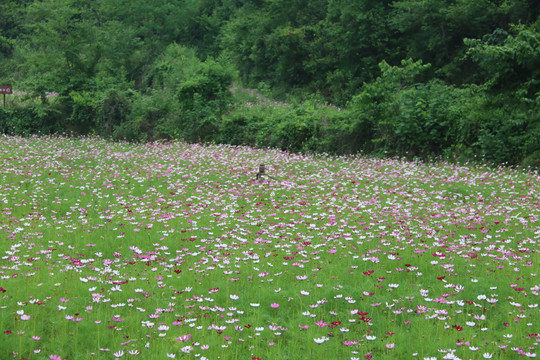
[[453, 79]]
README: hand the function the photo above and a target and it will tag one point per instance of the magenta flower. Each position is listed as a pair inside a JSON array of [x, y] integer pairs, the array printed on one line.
[[184, 337], [274, 305]]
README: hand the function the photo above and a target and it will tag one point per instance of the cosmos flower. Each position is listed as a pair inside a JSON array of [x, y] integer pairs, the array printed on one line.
[[321, 339]]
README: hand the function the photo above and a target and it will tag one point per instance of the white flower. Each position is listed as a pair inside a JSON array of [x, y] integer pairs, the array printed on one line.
[[321, 339], [186, 349], [171, 356], [119, 353], [487, 355], [234, 297]]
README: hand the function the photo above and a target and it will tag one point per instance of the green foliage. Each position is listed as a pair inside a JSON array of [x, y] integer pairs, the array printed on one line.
[[141, 70], [306, 127], [510, 122], [185, 98], [28, 120]]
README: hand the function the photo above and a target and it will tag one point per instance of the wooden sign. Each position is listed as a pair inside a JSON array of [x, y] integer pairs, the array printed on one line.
[[6, 89]]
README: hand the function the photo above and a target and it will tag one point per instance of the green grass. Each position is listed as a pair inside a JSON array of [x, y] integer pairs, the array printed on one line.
[[169, 249]]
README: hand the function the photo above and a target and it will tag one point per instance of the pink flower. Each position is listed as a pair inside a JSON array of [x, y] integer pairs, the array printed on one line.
[[274, 305], [184, 338], [55, 357]]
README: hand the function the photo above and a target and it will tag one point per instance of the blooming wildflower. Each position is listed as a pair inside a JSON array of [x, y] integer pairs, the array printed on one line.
[[321, 339], [119, 353], [184, 337]]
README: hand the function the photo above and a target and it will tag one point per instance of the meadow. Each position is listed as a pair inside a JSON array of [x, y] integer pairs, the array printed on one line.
[[166, 250]]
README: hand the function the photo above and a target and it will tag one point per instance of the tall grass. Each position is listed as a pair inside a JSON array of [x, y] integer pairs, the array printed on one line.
[[170, 250]]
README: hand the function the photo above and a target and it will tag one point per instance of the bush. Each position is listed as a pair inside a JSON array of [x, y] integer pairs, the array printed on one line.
[[399, 115], [306, 127], [31, 119]]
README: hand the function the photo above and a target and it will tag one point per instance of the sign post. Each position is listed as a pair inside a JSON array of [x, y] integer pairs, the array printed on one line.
[[6, 89]]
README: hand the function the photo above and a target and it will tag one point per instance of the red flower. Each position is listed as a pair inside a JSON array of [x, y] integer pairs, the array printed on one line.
[[369, 272]]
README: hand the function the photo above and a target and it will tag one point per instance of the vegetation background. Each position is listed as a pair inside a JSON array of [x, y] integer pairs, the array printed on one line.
[[457, 79]]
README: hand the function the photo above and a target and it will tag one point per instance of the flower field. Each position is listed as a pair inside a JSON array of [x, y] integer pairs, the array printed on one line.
[[172, 250]]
